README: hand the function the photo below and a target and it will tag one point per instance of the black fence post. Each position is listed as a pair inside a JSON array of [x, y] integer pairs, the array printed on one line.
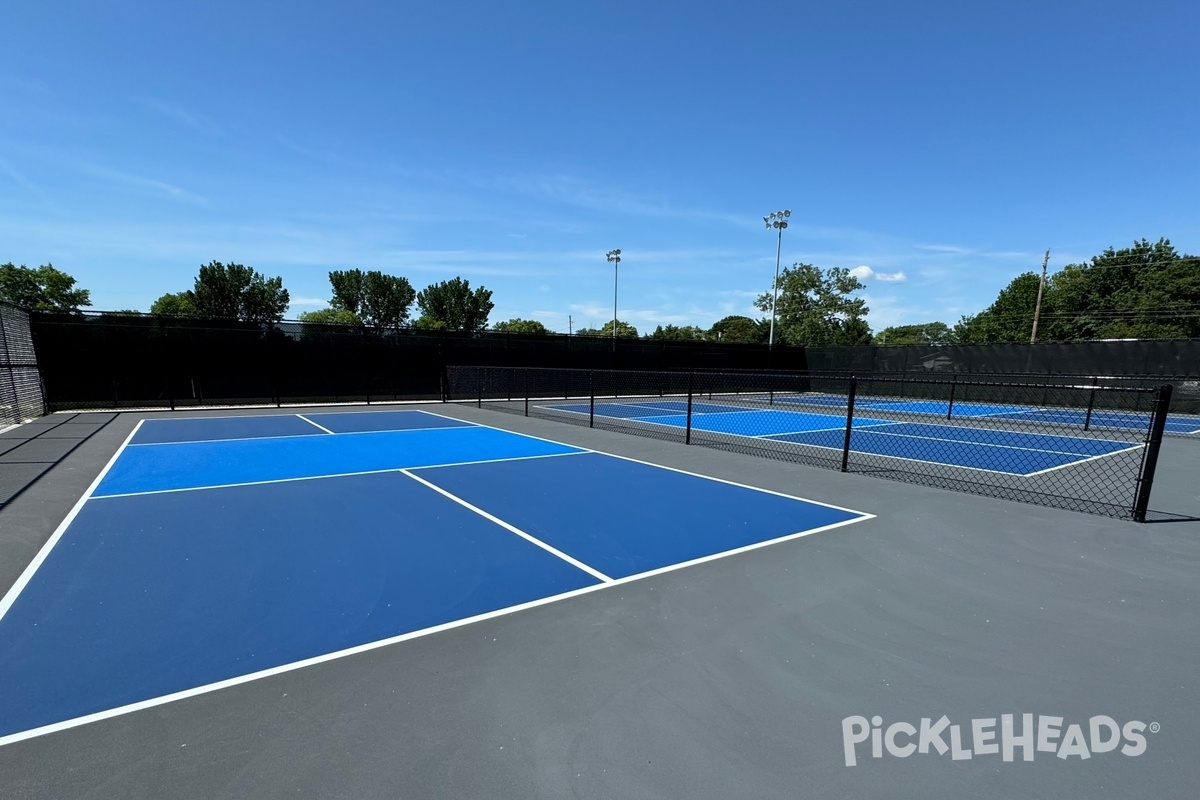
[[687, 439], [849, 424], [526, 371], [953, 386], [1145, 480], [479, 386], [592, 400], [1087, 420]]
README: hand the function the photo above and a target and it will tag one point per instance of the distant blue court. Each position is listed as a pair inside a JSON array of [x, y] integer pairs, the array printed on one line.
[[992, 450], [216, 548], [1074, 417]]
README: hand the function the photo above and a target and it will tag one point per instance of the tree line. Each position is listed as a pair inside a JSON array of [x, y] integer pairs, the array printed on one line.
[[1144, 291]]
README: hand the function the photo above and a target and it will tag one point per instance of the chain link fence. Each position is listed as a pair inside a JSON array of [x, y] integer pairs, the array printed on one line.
[[1084, 447], [1145, 363], [21, 396]]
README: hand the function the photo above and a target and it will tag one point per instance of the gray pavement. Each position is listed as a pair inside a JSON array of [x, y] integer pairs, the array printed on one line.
[[730, 679]]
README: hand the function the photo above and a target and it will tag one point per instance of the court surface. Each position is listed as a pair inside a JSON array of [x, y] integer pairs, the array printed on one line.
[[732, 677], [1002, 451], [216, 550]]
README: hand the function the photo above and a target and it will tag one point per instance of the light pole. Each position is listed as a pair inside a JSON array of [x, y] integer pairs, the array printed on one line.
[[614, 256], [778, 221]]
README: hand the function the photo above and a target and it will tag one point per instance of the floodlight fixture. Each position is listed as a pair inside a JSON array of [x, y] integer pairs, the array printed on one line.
[[778, 221], [614, 257]]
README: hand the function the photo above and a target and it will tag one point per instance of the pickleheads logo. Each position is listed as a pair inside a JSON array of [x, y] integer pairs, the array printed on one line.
[[982, 737]]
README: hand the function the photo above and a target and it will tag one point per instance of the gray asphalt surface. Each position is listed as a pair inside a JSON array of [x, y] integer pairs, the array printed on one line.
[[730, 679]]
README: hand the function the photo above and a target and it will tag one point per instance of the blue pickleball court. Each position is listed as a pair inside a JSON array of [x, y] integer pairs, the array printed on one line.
[[216, 550], [1000, 451], [1179, 424]]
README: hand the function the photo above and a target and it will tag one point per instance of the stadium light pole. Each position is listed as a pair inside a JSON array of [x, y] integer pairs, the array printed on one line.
[[614, 256], [778, 221]]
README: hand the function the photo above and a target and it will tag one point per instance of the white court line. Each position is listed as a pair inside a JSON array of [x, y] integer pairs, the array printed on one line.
[[299, 435], [1003, 446], [1084, 460], [363, 648], [33, 565], [332, 475], [310, 422], [897, 458], [271, 410], [863, 514], [881, 424], [595, 573]]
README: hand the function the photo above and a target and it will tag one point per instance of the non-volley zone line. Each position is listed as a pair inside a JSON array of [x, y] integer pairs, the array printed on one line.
[[1181, 424], [964, 408], [1006, 452], [726, 419], [232, 462], [1104, 418], [155, 587]]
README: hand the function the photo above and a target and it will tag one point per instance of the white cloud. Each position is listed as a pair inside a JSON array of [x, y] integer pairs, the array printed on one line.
[[309, 302], [865, 273]]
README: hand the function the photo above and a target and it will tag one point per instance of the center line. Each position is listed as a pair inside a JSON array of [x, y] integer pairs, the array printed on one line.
[[512, 529], [310, 422]]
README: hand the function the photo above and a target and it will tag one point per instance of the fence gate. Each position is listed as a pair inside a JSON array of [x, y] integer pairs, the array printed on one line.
[[21, 397]]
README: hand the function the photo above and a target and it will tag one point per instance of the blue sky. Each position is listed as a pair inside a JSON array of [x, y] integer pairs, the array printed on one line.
[[944, 145]]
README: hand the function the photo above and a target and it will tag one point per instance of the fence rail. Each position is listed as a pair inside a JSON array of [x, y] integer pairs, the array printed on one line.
[[1084, 447]]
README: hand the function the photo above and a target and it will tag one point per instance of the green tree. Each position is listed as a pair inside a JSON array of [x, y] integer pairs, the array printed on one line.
[[452, 305], [624, 330], [1140, 292], [929, 333], [179, 304], [684, 333], [1008, 319], [521, 326], [235, 291], [739, 330], [331, 316], [379, 300], [41, 289], [817, 308], [1145, 291], [428, 323]]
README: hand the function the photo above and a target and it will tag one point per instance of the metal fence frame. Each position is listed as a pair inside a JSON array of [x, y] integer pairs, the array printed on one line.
[[572, 396], [21, 395]]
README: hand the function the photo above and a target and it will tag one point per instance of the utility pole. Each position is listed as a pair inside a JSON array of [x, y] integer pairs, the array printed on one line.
[[570, 329], [1037, 309]]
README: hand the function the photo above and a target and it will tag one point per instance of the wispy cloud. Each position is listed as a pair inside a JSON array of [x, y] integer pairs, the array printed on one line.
[[138, 182], [944, 248], [191, 119], [308, 302], [23, 182], [891, 277], [576, 191]]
